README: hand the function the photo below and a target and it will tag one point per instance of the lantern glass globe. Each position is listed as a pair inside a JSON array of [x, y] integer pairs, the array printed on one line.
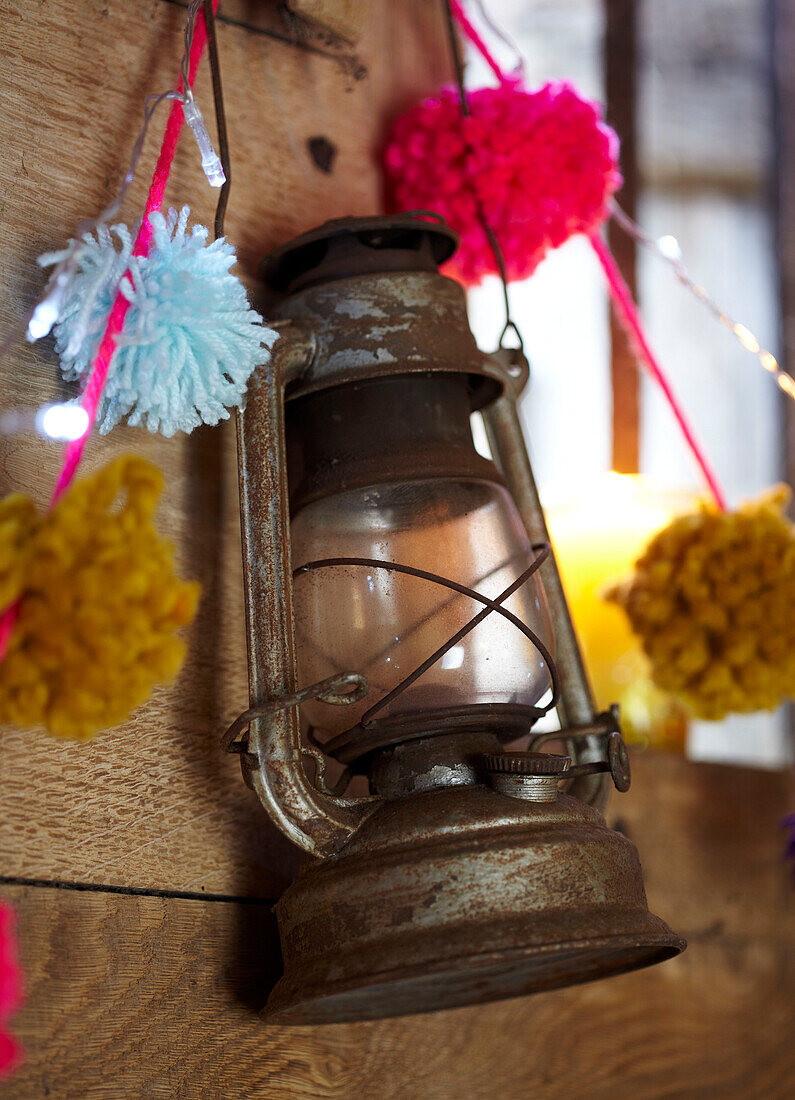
[[385, 624]]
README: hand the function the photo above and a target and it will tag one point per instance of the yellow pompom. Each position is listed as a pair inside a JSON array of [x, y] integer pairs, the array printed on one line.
[[712, 600], [100, 603]]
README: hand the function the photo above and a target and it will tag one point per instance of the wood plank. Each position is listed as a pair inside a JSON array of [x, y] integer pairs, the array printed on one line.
[[621, 78], [346, 18], [155, 804], [710, 845], [703, 81], [704, 105], [152, 997]]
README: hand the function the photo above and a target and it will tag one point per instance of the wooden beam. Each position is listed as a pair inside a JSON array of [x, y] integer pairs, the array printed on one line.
[[153, 996], [620, 65], [782, 50]]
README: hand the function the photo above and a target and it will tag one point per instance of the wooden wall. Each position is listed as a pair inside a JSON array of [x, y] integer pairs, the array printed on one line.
[[141, 868], [154, 805], [149, 995]]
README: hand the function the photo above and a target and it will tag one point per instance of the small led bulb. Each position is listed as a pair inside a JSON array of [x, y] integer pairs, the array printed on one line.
[[67, 421], [746, 338], [210, 162], [668, 246], [49, 308]]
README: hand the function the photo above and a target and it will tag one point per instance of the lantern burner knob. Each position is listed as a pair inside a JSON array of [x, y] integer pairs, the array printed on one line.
[[532, 776], [542, 770], [526, 763]]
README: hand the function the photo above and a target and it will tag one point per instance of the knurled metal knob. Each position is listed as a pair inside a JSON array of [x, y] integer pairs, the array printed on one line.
[[526, 763], [532, 776], [535, 775]]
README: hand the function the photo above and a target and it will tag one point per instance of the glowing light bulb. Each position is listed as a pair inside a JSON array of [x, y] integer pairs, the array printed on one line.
[[747, 338], [668, 246], [49, 308], [64, 422]]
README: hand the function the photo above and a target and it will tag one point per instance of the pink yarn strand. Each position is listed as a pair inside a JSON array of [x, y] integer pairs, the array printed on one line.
[[73, 452], [628, 315], [469, 30], [7, 623]]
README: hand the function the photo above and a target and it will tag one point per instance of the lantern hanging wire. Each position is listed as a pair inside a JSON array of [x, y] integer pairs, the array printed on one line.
[[510, 324], [220, 117]]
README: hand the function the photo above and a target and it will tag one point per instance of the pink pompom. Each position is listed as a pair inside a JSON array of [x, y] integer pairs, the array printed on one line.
[[10, 991], [542, 164]]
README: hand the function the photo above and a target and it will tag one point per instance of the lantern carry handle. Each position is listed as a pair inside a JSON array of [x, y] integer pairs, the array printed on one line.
[[274, 755]]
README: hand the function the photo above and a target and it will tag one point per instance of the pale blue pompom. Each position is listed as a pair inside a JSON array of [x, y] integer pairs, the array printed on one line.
[[189, 341]]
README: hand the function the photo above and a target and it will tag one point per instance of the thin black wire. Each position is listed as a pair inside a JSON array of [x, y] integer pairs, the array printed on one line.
[[190, 26], [220, 117], [490, 235]]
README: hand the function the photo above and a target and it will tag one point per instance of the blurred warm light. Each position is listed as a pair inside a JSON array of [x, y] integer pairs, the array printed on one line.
[[747, 338], [598, 533]]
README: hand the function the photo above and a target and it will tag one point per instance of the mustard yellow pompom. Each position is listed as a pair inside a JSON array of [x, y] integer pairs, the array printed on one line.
[[100, 603], [712, 600]]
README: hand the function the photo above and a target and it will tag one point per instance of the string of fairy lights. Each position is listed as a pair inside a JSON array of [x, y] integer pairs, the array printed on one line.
[[668, 249]]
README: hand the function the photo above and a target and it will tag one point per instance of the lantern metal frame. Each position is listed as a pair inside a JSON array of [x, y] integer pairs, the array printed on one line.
[[315, 356], [362, 299]]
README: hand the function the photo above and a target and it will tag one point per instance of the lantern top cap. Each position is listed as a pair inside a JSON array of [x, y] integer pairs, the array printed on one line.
[[345, 247]]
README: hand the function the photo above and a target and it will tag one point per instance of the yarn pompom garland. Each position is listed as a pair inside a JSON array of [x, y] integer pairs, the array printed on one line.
[[189, 341], [712, 600], [99, 603], [10, 991], [541, 165]]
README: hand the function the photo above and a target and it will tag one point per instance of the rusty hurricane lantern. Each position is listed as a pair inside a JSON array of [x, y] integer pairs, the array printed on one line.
[[403, 609]]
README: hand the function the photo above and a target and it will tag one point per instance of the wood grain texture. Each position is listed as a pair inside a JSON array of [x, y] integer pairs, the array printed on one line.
[[147, 997], [155, 804], [347, 18]]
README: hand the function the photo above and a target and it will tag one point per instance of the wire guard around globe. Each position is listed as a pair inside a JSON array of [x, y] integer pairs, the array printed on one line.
[[517, 719]]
